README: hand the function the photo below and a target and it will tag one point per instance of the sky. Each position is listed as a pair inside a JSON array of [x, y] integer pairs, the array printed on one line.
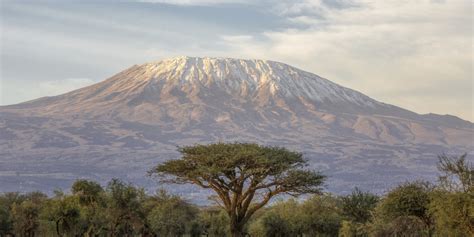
[[416, 54]]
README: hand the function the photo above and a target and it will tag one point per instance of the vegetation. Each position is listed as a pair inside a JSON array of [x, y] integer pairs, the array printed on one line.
[[122, 209], [240, 172]]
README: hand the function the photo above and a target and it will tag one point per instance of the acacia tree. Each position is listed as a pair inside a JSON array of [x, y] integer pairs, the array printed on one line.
[[244, 176]]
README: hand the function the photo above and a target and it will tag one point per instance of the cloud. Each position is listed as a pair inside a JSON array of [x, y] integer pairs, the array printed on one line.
[[415, 54], [196, 2], [237, 38]]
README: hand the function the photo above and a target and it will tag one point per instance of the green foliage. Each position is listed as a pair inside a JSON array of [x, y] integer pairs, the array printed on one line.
[[213, 222], [5, 222], [347, 229], [93, 202], [452, 204], [171, 216], [408, 226], [453, 213], [201, 164], [358, 206], [25, 217], [88, 192], [357, 209], [19, 213], [410, 199], [273, 225], [418, 209], [404, 211], [63, 214], [121, 209], [238, 172], [284, 218], [6, 202], [322, 215], [458, 173], [124, 212], [353, 229], [317, 216]]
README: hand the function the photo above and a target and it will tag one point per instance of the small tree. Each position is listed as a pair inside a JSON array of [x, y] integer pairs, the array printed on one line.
[[91, 198], [25, 218], [453, 213], [171, 216], [321, 216], [124, 208], [64, 212], [89, 192], [284, 218], [458, 173], [6, 202], [358, 206], [244, 176], [25, 213], [404, 208], [452, 204]]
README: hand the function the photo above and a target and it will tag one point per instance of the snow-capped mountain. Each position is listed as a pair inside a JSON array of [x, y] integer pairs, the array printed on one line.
[[127, 123]]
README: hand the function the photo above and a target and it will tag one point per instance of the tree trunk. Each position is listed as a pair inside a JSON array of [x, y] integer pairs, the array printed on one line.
[[237, 230], [236, 233], [57, 228]]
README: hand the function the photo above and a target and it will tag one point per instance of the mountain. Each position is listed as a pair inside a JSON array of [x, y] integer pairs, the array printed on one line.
[[124, 125]]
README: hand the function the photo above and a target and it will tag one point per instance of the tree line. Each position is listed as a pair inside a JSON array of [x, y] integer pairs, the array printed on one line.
[[245, 178]]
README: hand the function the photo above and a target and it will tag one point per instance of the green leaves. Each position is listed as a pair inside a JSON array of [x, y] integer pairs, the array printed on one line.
[[458, 173], [64, 212], [359, 205], [245, 162], [171, 216], [453, 213], [410, 199], [319, 215], [87, 191], [238, 172], [404, 211], [302, 181]]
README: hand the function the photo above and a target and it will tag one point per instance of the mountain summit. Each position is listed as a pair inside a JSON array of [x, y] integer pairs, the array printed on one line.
[[146, 110], [191, 80]]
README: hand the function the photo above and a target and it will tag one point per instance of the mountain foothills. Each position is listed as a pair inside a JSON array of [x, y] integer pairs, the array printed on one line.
[[123, 126]]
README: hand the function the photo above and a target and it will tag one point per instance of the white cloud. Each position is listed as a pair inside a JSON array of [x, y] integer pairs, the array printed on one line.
[[415, 54]]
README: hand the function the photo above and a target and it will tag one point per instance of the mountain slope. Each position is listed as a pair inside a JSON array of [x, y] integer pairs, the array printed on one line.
[[146, 110]]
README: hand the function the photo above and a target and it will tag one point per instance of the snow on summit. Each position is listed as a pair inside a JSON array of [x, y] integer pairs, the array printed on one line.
[[253, 75]]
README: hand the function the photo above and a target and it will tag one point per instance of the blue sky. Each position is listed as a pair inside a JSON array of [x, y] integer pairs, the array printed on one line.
[[415, 54]]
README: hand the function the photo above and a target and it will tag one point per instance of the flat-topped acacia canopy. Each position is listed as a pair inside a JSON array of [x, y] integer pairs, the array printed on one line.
[[245, 176]]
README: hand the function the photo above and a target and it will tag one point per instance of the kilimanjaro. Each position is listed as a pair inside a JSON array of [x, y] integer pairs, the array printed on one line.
[[126, 124]]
